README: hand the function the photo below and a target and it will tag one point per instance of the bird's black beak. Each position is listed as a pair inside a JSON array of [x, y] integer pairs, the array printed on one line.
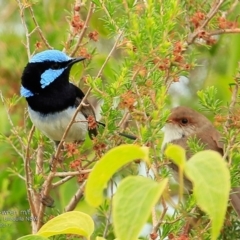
[[75, 60]]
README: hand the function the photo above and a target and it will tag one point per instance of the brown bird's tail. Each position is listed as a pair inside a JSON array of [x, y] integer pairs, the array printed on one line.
[[235, 199]]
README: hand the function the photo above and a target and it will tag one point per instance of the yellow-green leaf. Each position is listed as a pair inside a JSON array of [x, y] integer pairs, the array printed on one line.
[[176, 154], [33, 237], [132, 205], [109, 164], [100, 238], [211, 185], [74, 222]]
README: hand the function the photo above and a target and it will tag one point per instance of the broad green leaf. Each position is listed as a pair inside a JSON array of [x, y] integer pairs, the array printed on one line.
[[211, 185], [33, 237], [176, 154], [132, 205], [74, 222], [109, 164], [100, 238]]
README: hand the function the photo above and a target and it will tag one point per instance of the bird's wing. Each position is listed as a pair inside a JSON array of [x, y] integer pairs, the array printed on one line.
[[213, 142], [235, 199], [217, 139], [88, 111]]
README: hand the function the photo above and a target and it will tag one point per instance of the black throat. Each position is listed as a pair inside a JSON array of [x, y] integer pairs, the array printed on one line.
[[54, 98]]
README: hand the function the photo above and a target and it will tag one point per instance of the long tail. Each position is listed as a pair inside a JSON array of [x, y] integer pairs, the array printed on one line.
[[235, 199]]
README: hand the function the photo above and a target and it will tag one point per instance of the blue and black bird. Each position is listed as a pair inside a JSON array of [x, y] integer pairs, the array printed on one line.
[[52, 99]]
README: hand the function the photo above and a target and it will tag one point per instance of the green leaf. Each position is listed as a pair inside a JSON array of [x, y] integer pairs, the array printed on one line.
[[109, 164], [132, 205], [100, 238], [33, 237], [74, 222], [176, 154], [211, 186]]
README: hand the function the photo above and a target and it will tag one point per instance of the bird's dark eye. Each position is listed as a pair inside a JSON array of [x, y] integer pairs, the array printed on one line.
[[184, 121], [55, 66]]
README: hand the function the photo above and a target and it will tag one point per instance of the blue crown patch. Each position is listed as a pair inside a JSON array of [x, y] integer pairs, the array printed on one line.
[[50, 55]]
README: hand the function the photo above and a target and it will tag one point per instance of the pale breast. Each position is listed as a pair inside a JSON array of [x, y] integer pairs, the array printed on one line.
[[171, 132], [54, 125]]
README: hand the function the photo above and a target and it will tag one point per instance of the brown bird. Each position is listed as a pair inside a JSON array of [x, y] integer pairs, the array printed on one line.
[[185, 122]]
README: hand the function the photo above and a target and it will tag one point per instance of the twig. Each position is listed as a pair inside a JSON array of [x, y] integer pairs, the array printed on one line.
[[39, 29], [110, 54], [75, 199], [72, 34], [29, 181], [84, 29], [12, 127], [210, 15], [124, 119], [233, 6], [67, 174], [62, 181], [90, 162], [109, 16], [22, 16], [160, 221], [222, 31], [39, 160], [108, 220]]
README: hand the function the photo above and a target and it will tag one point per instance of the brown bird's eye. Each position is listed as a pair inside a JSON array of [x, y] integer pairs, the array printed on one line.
[[184, 121]]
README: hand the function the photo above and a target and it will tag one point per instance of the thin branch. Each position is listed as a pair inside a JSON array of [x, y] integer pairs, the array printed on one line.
[[216, 5], [75, 199], [76, 173], [222, 31], [39, 29], [124, 119], [110, 54], [160, 220], [13, 129], [233, 6], [109, 16], [22, 16], [29, 181], [62, 181], [84, 29], [67, 176], [39, 160], [72, 34], [108, 220]]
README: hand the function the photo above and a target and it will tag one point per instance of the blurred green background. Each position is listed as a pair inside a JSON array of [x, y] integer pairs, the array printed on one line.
[[217, 66]]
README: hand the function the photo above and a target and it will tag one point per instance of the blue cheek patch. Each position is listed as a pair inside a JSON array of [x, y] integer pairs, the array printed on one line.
[[25, 92], [49, 76]]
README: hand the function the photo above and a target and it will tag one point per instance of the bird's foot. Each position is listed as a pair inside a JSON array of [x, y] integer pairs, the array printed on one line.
[[47, 201]]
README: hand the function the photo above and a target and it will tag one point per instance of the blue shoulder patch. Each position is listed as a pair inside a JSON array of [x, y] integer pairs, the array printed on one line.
[[50, 55], [25, 92], [49, 76]]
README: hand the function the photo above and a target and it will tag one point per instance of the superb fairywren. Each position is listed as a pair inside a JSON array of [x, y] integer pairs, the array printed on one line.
[[52, 99], [184, 123]]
